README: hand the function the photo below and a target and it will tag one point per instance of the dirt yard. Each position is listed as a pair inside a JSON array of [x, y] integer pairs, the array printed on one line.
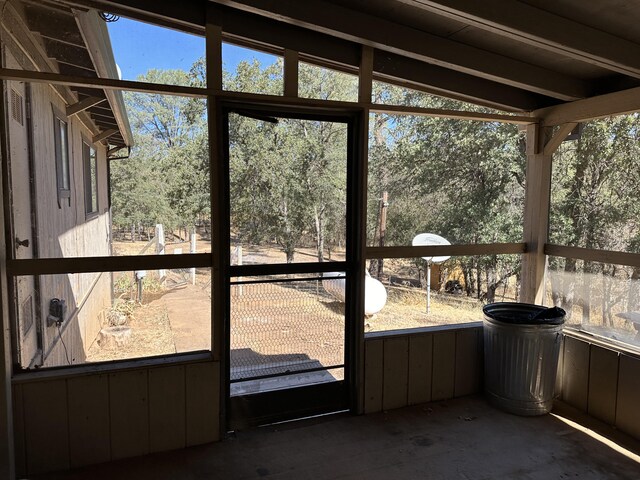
[[272, 323]]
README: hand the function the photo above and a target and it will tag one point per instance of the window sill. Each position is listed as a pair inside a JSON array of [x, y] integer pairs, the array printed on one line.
[[71, 371], [422, 330]]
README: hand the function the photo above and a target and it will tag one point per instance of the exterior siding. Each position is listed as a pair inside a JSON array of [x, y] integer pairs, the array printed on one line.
[[63, 230]]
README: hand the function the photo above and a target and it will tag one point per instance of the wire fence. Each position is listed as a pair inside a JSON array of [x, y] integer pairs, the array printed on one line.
[[281, 326]]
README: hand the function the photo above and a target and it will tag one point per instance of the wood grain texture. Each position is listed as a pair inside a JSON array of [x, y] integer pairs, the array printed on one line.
[[167, 408], [129, 412], [603, 384], [468, 364], [373, 375], [202, 403], [420, 366], [444, 358], [395, 372], [89, 436], [18, 430], [575, 373], [628, 401], [46, 426]]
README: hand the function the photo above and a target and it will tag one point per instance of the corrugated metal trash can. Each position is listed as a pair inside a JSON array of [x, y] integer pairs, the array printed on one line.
[[521, 347]]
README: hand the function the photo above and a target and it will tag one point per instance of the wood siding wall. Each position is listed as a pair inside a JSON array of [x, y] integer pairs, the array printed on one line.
[[64, 230], [407, 368], [603, 382], [86, 419]]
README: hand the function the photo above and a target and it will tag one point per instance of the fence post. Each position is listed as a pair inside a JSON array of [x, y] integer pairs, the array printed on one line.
[[239, 262], [160, 246], [193, 250]]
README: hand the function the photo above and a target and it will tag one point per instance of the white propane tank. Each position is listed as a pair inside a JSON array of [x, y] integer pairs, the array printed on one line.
[[335, 288], [375, 295]]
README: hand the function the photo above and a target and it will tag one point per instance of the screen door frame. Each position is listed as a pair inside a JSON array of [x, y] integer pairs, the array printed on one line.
[[298, 402]]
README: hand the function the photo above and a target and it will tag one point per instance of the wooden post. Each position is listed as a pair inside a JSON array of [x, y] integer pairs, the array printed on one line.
[[193, 250], [239, 262], [429, 286], [290, 73], [7, 454], [365, 79], [541, 145], [536, 215], [160, 246], [383, 229]]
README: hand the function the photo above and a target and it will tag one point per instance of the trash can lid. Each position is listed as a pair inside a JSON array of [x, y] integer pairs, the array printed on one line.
[[524, 313]]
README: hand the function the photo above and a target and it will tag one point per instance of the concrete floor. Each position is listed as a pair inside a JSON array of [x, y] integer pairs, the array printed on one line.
[[458, 439]]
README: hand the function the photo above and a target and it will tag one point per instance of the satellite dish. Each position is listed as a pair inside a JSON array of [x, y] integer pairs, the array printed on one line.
[[424, 239]]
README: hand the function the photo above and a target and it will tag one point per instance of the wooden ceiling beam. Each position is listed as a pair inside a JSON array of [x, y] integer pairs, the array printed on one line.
[[539, 28], [256, 31], [461, 86], [359, 27], [618, 103], [104, 135], [83, 105]]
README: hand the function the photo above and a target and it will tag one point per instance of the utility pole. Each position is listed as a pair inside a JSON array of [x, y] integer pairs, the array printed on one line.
[[383, 228]]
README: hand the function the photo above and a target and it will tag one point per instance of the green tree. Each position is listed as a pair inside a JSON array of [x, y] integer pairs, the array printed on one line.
[[592, 207], [169, 165]]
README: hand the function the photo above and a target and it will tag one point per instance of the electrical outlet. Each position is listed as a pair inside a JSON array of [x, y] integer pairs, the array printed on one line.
[[57, 312]]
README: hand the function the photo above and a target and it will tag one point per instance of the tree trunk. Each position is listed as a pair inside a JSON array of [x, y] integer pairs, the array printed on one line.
[[633, 296], [490, 274], [468, 281], [290, 253], [384, 203], [319, 234]]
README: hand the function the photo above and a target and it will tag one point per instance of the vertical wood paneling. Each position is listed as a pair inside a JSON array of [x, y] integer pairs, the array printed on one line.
[[575, 373], [468, 365], [18, 430], [129, 411], [603, 384], [202, 403], [373, 376], [444, 358], [88, 420], [46, 426], [628, 403], [167, 408], [395, 372], [420, 365]]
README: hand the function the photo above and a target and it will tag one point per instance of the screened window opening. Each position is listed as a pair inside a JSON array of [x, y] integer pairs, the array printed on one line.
[[441, 291]]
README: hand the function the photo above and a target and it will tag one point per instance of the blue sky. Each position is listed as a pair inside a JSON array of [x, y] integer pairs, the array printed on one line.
[[139, 47]]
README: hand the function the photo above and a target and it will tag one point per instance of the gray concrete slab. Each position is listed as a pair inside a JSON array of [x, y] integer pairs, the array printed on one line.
[[459, 439]]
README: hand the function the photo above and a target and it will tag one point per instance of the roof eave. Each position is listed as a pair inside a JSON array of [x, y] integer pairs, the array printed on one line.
[[96, 36]]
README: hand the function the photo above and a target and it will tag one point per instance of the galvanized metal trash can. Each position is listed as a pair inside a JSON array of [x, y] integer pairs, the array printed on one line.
[[521, 348]]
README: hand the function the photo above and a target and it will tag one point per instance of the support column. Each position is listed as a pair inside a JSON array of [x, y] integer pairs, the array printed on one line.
[[290, 73], [365, 78], [536, 214], [219, 230], [359, 199], [7, 453]]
